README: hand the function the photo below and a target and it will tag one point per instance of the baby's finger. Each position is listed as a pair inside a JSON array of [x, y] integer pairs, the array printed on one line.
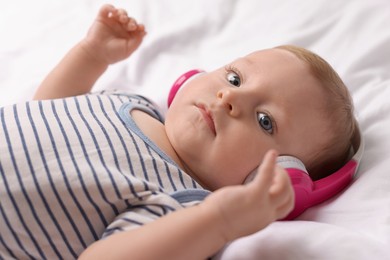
[[106, 10], [131, 24], [121, 12], [265, 174], [281, 190], [281, 181], [286, 206], [141, 28], [122, 15]]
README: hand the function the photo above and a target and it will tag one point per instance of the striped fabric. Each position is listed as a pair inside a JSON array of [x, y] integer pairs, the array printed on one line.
[[78, 169]]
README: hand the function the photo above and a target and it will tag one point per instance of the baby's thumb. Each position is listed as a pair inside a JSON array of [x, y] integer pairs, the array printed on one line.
[[265, 173]]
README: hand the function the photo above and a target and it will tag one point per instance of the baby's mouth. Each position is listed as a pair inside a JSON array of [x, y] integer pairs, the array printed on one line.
[[208, 117]]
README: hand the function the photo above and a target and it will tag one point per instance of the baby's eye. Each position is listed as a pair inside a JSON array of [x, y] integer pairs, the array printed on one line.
[[265, 122], [234, 79]]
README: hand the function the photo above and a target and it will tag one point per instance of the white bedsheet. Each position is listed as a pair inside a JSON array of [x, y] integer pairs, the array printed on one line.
[[353, 35]]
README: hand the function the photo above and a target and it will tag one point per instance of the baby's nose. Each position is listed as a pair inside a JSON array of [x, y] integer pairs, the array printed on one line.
[[230, 100]]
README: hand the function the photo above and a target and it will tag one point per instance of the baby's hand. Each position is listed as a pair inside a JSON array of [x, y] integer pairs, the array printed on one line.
[[245, 209], [113, 36]]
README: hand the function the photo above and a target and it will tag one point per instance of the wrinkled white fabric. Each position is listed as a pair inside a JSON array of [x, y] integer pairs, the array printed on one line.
[[351, 35]]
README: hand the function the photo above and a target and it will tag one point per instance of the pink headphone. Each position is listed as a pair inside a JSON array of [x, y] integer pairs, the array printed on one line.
[[307, 192]]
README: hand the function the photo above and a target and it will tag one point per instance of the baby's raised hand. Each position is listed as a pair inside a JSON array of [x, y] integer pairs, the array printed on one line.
[[245, 209], [113, 36]]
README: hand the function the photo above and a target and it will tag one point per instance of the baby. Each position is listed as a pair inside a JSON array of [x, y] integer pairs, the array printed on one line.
[[102, 175]]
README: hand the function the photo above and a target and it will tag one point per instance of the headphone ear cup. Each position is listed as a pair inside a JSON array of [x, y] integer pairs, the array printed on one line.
[[291, 162], [301, 182], [285, 161]]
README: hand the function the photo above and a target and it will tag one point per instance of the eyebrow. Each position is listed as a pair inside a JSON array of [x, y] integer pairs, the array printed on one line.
[[245, 60], [248, 63]]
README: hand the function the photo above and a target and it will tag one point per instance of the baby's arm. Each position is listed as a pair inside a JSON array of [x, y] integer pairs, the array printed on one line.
[[200, 231], [112, 37]]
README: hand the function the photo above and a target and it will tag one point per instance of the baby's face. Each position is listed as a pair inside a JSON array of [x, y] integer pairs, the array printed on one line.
[[222, 123]]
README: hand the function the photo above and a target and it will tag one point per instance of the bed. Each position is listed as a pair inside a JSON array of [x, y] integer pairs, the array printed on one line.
[[353, 36]]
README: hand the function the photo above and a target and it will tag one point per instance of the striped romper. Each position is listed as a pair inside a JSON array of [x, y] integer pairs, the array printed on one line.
[[78, 169]]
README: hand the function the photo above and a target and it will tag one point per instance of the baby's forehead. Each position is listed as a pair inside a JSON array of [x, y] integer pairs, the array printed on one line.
[[273, 53], [288, 75], [259, 58]]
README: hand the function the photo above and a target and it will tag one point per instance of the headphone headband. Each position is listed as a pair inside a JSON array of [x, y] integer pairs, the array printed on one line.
[[180, 82]]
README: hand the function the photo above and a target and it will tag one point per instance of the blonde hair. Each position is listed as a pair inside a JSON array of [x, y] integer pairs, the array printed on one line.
[[339, 110]]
